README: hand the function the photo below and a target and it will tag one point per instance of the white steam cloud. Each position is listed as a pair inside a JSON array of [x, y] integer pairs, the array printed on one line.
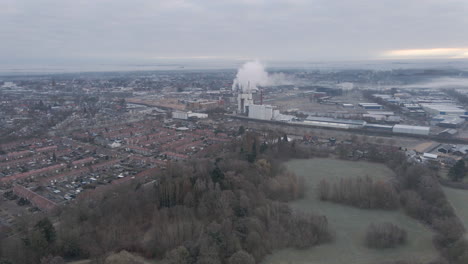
[[250, 75]]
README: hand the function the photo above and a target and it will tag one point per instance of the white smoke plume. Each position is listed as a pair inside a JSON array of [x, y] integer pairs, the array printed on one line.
[[250, 75]]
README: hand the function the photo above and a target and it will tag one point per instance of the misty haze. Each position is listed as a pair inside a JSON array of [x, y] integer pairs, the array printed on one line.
[[233, 132]]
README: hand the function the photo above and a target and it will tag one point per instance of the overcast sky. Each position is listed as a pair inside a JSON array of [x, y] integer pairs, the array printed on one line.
[[147, 31]]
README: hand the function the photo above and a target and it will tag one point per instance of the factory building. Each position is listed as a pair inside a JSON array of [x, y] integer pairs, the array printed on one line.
[[187, 115], [180, 115], [448, 133], [412, 106], [197, 115], [335, 122], [382, 116], [325, 124], [263, 112], [452, 122], [376, 127], [370, 106], [244, 100], [443, 109], [414, 130]]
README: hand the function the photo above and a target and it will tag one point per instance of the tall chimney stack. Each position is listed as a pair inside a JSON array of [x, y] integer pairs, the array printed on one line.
[[261, 96]]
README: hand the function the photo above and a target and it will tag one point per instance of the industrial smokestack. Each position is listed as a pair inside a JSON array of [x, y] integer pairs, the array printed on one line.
[[261, 96]]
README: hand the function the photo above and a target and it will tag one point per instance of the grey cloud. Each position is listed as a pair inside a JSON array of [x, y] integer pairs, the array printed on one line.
[[142, 30]]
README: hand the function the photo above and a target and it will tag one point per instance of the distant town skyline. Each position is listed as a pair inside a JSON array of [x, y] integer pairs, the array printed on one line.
[[145, 31]]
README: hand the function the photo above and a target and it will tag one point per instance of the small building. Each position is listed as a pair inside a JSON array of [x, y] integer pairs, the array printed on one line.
[[430, 156], [460, 150], [452, 122], [445, 148], [412, 106], [375, 127], [448, 133], [180, 115], [383, 113], [418, 112], [197, 115]]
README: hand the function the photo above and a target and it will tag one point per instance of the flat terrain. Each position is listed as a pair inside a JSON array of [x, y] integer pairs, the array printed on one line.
[[458, 198], [349, 223]]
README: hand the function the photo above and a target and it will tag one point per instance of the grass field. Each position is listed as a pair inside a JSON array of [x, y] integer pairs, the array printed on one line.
[[458, 199], [348, 223]]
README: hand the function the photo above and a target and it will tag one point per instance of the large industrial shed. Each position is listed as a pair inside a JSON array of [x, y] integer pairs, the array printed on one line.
[[413, 130], [377, 127], [263, 112], [452, 122], [324, 124], [443, 109], [370, 106], [330, 122]]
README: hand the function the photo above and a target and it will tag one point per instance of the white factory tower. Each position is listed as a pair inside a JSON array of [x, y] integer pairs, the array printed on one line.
[[244, 99]]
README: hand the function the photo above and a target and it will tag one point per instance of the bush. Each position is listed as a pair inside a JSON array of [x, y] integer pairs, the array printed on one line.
[[241, 257], [385, 235]]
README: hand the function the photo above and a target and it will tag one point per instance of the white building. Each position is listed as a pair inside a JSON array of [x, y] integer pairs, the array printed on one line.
[[180, 115], [443, 109], [414, 130], [244, 100], [197, 115], [9, 85], [263, 112]]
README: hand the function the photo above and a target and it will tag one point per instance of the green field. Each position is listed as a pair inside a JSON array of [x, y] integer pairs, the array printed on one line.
[[458, 199], [348, 223]]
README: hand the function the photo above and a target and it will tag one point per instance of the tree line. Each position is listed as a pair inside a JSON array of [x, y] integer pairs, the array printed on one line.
[[362, 192]]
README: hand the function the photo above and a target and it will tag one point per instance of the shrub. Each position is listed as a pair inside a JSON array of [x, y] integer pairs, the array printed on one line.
[[385, 235]]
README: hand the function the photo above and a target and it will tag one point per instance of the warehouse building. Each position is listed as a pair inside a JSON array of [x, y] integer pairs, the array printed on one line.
[[412, 106], [197, 115], [336, 122], [325, 124], [413, 130], [381, 128], [448, 133], [382, 118], [263, 112], [452, 122], [180, 115], [443, 109], [370, 106]]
